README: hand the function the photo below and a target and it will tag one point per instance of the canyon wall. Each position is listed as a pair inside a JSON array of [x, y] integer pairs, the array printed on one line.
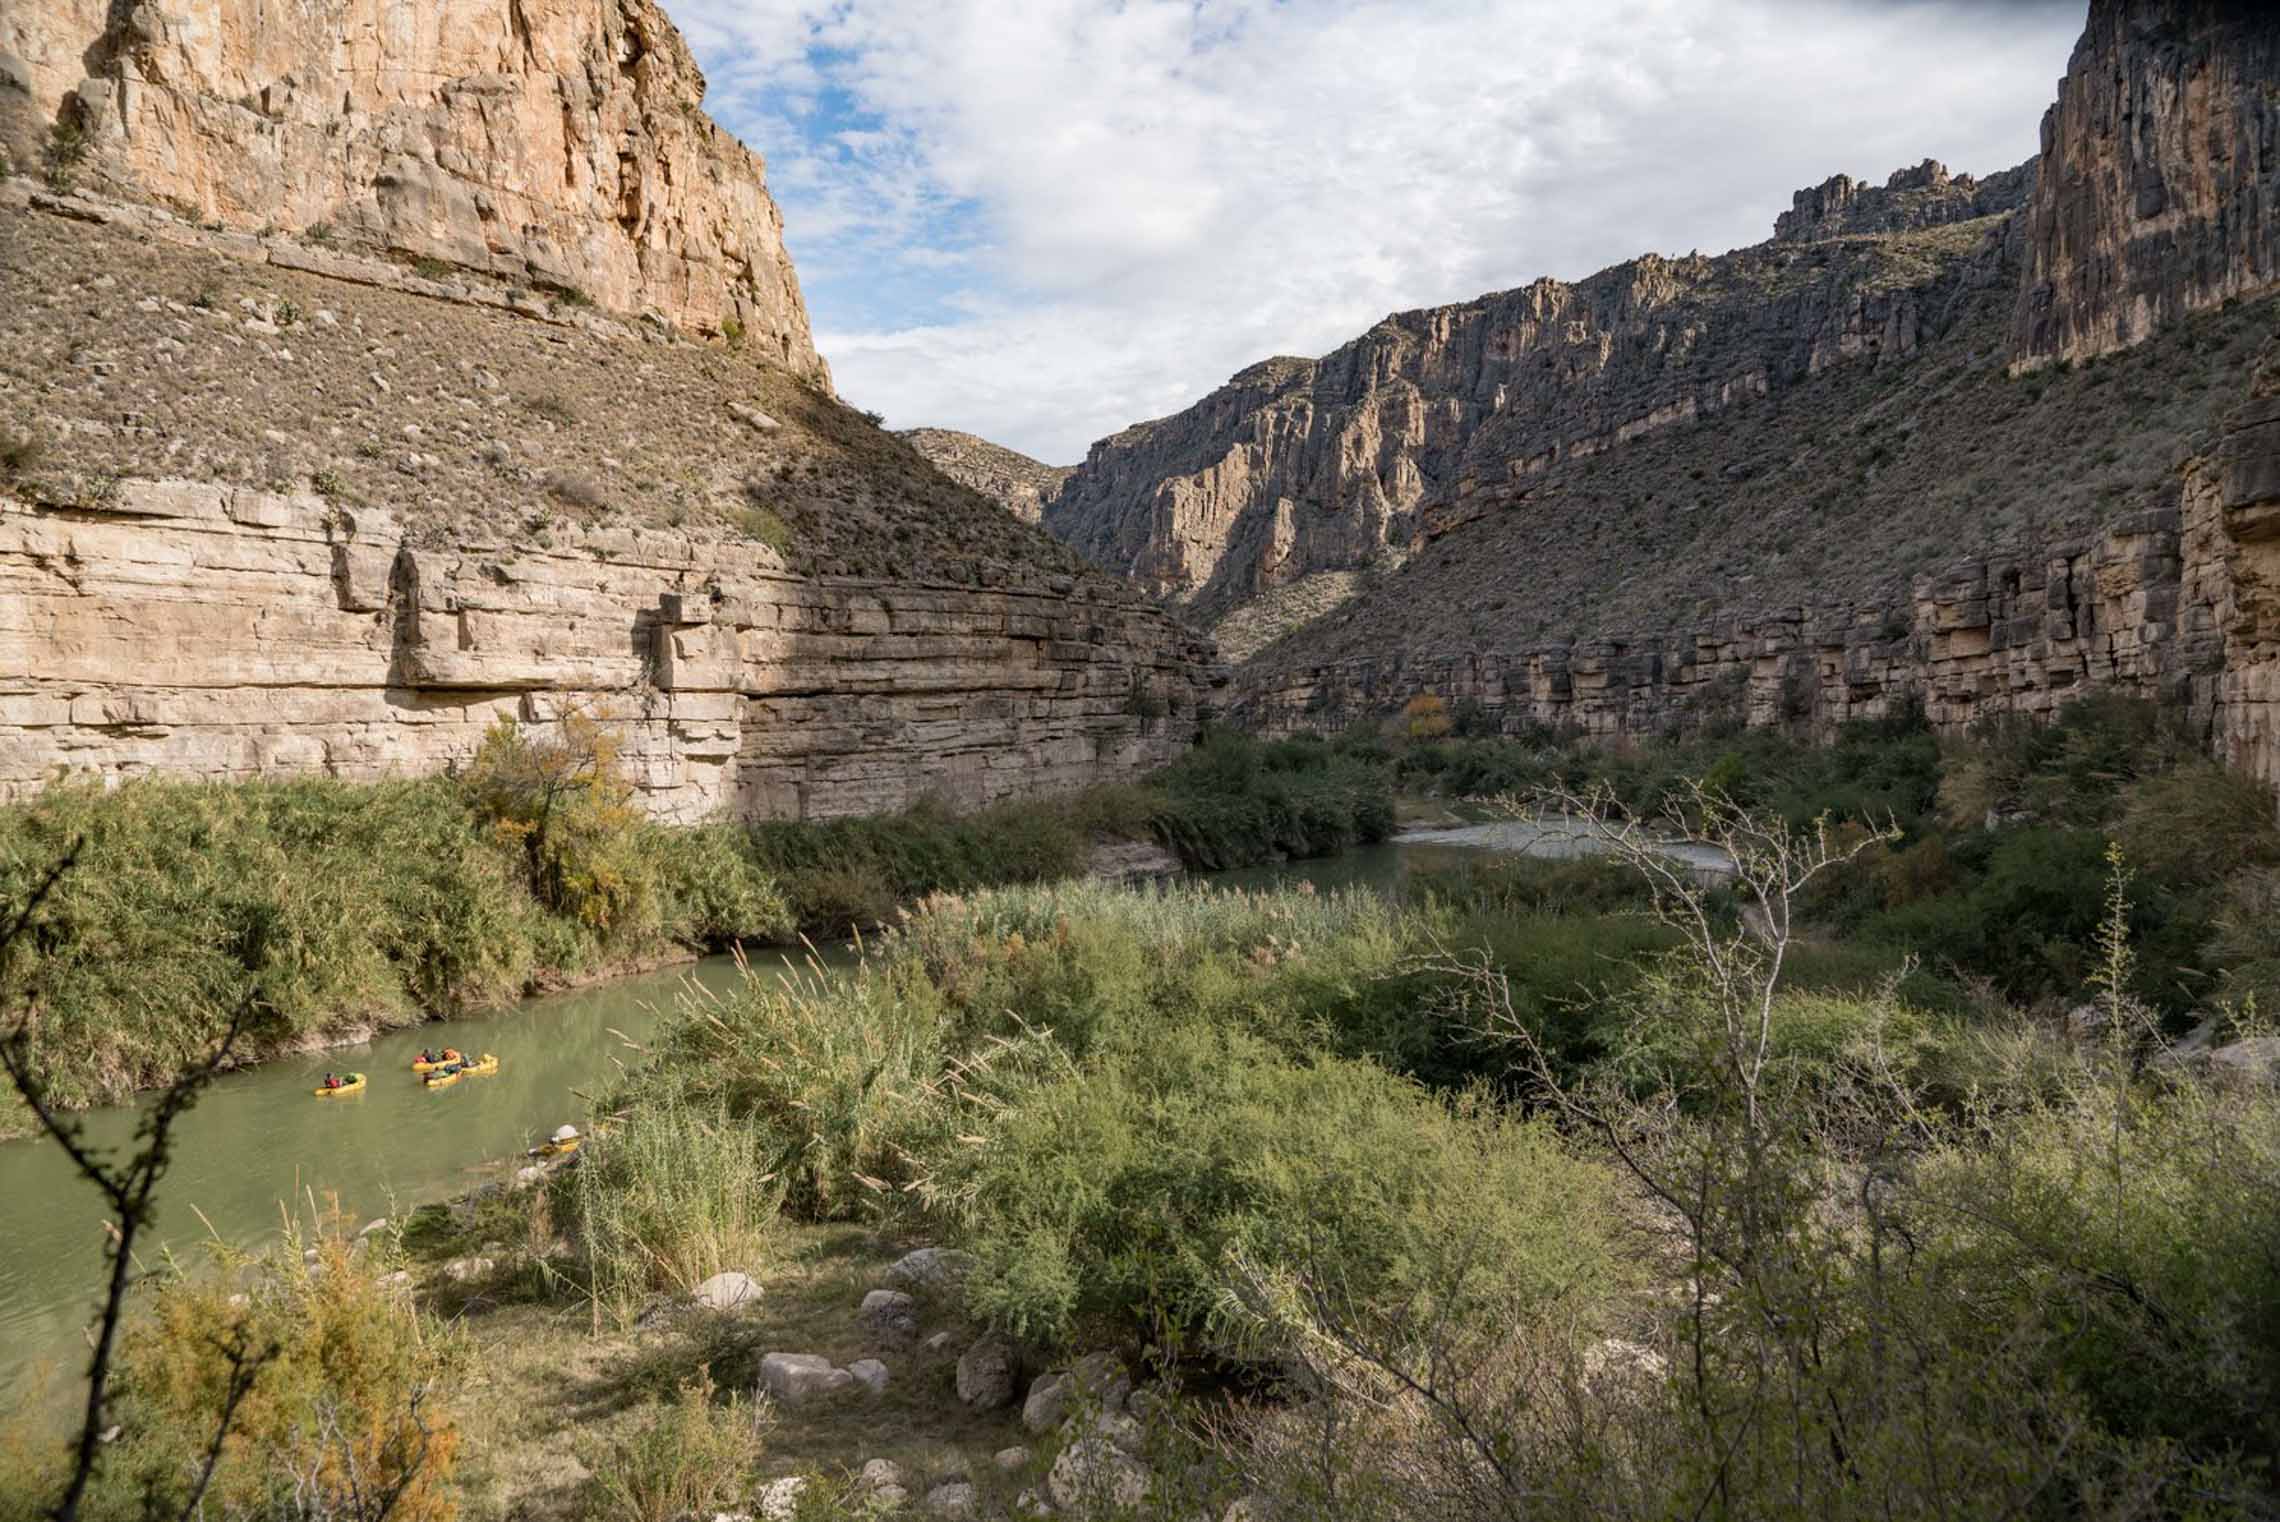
[[326, 443], [2160, 188], [1022, 485], [198, 630], [1299, 466], [556, 143]]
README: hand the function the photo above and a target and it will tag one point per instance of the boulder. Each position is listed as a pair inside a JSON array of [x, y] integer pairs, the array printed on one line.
[[956, 1499], [1050, 1396], [463, 1270], [877, 1474], [1097, 1382], [779, 1500], [1119, 1428], [727, 1291], [1010, 1460], [889, 1315], [870, 1374], [791, 1378], [1092, 1473], [931, 1270], [986, 1373], [2255, 1060]]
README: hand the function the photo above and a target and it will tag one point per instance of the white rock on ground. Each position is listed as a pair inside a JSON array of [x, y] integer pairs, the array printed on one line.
[[879, 1473], [462, 1270], [727, 1291], [870, 1374], [1121, 1430], [1093, 1472], [938, 1343], [956, 1499], [986, 1373], [1010, 1459], [934, 1270], [779, 1500], [794, 1377], [889, 1314]]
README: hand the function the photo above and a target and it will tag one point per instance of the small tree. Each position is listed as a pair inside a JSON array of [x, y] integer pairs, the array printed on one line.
[[563, 801], [1425, 717]]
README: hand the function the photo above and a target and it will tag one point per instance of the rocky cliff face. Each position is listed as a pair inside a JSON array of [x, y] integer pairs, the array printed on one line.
[[278, 497], [2160, 190], [1925, 196], [556, 143], [1437, 417], [1003, 475]]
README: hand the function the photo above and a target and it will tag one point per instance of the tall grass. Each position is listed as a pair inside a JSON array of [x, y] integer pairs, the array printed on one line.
[[672, 1195]]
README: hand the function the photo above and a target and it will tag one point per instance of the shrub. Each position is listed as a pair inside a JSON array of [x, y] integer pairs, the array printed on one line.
[[1425, 717], [561, 802], [1121, 1198], [554, 407], [61, 155], [2136, 1226], [765, 524], [689, 1457], [319, 898], [19, 453], [356, 1399], [672, 1195], [1232, 801], [576, 489]]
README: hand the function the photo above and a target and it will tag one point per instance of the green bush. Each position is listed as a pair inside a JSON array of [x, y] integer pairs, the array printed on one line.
[[1120, 1199], [1232, 801], [2136, 1227], [318, 900]]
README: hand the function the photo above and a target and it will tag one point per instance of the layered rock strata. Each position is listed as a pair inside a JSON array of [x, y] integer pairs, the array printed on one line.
[[2019, 633], [554, 143], [206, 631]]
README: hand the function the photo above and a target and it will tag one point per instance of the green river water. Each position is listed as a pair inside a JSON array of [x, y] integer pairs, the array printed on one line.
[[260, 1142]]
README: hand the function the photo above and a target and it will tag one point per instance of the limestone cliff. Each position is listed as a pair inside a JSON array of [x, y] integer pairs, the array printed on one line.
[[553, 143], [2160, 190], [274, 514], [1439, 416], [1925, 196], [1003, 475]]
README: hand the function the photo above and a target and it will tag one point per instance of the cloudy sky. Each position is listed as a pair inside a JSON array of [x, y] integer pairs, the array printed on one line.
[[1040, 220]]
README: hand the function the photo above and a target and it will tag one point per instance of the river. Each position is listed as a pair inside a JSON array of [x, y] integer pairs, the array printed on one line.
[[259, 1139]]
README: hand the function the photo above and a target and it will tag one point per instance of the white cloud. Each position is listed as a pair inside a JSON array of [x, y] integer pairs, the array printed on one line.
[[1125, 201]]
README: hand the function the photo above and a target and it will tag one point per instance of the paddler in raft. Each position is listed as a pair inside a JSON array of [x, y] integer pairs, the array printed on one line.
[[332, 1081]]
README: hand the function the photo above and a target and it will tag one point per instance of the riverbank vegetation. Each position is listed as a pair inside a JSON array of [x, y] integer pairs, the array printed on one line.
[[1926, 1164], [341, 907]]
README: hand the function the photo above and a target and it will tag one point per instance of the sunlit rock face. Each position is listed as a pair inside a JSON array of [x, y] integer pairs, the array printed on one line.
[[560, 143]]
